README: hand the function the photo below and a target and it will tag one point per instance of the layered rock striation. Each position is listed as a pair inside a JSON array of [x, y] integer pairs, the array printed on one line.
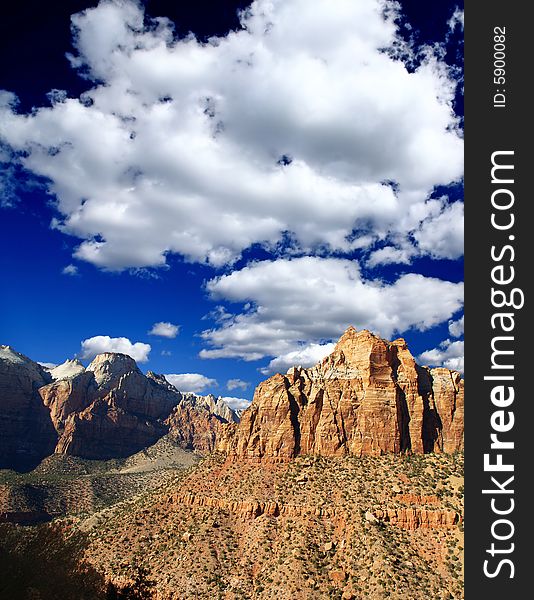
[[406, 518], [368, 397]]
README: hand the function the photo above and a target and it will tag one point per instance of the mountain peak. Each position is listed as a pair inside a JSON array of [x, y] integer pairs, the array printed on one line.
[[70, 368], [353, 335], [13, 359], [112, 358], [10, 354], [111, 365]]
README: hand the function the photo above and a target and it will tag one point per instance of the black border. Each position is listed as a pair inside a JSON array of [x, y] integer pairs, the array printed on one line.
[[489, 129]]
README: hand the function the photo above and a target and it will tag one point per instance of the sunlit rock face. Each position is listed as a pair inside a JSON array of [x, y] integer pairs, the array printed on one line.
[[368, 397]]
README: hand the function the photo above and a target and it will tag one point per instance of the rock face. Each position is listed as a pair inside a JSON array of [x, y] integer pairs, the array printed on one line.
[[214, 405], [112, 410], [417, 518], [109, 410], [406, 518], [368, 397], [194, 428], [26, 433]]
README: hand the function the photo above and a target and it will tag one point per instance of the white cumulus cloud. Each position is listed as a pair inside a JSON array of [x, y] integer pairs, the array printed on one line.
[[104, 343], [306, 300], [164, 329], [300, 124], [236, 403], [448, 354], [303, 357], [236, 384], [435, 229], [190, 382], [456, 328], [442, 236]]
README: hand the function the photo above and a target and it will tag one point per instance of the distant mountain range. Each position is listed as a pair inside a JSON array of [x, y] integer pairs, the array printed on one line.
[[109, 409]]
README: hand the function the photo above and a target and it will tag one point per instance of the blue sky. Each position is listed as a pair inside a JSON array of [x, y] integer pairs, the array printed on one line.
[[261, 191]]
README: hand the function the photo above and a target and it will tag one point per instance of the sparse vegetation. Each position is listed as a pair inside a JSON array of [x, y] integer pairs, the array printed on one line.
[[319, 545]]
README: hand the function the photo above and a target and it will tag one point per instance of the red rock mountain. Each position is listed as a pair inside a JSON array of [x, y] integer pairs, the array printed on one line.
[[109, 410], [368, 397]]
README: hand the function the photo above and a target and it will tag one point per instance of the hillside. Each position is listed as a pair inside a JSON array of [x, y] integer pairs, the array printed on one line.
[[372, 527]]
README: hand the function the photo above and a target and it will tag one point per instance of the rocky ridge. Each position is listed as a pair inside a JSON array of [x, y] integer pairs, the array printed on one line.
[[368, 397], [108, 410]]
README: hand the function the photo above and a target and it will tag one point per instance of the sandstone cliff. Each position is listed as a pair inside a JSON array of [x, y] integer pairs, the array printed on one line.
[[26, 433], [368, 397], [214, 405], [108, 410], [194, 428]]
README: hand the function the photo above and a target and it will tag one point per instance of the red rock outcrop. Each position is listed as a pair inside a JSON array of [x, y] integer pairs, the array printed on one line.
[[417, 499], [366, 398], [418, 518], [406, 518], [194, 428], [113, 410], [109, 410]]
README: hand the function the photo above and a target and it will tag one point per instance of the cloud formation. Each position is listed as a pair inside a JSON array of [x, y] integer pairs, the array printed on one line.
[[103, 343], [70, 270], [190, 382], [456, 328], [448, 354], [319, 134], [457, 19], [236, 403], [303, 357], [439, 233], [164, 329], [309, 300], [236, 384]]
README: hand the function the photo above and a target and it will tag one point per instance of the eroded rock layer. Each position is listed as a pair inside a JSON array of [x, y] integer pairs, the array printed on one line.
[[406, 518]]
